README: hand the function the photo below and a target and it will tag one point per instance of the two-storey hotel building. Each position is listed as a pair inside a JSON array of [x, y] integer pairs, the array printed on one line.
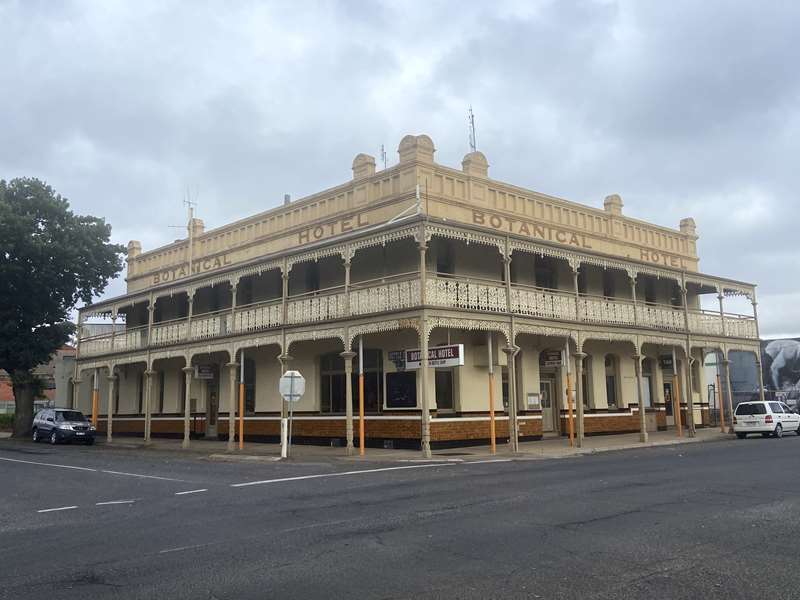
[[501, 294]]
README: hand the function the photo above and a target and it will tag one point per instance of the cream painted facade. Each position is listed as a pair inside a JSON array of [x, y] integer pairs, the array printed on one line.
[[414, 256]]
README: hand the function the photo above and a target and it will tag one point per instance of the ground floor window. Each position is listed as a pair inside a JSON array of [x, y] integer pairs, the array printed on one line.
[[611, 380], [333, 385], [586, 377], [401, 389], [183, 392], [140, 391], [249, 386], [161, 377], [504, 375], [647, 382]]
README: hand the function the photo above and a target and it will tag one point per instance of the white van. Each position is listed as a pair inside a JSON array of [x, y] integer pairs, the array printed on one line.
[[766, 418]]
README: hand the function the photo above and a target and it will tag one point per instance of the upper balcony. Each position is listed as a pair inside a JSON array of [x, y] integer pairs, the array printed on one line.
[[380, 278]]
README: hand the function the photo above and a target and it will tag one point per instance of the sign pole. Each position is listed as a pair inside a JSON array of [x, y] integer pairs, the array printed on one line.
[[361, 395], [291, 414], [570, 422], [292, 386], [492, 431], [241, 403]]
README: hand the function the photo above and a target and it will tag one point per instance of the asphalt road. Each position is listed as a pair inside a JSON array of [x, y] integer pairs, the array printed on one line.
[[714, 520]]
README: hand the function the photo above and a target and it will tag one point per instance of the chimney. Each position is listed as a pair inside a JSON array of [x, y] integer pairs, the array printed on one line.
[[613, 204], [688, 226], [363, 166], [134, 248]]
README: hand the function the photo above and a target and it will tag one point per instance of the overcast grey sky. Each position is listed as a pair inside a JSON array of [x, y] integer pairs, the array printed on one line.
[[683, 108]]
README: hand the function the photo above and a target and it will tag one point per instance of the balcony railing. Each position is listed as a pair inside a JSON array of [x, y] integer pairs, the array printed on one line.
[[401, 292]]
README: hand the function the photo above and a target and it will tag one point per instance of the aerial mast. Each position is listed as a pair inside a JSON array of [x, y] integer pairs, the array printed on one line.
[[473, 144]]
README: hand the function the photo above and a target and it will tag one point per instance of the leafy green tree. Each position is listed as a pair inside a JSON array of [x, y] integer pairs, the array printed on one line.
[[50, 259]]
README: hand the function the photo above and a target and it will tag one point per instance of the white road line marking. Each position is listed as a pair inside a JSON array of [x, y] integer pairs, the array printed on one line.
[[179, 548], [143, 476], [483, 462], [30, 462], [55, 509], [114, 502], [341, 474], [191, 492]]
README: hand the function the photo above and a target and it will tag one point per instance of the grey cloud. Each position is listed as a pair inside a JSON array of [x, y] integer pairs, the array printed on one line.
[[684, 108]]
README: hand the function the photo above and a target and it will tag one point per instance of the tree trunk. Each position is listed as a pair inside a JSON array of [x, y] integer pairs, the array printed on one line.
[[23, 404]]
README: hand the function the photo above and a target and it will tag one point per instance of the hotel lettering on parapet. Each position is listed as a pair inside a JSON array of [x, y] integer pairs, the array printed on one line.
[[419, 256]]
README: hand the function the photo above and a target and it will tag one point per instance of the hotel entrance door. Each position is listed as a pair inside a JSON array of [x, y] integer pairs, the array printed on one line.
[[212, 408], [546, 397], [668, 404]]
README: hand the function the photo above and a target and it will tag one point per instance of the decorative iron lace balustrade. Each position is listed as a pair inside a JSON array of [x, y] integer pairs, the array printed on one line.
[[740, 326], [466, 294], [661, 317], [168, 333], [705, 323], [204, 327], [385, 295], [396, 295], [607, 312], [313, 309], [542, 304], [256, 317]]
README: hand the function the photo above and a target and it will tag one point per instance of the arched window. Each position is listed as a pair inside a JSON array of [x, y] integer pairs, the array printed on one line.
[[612, 390]]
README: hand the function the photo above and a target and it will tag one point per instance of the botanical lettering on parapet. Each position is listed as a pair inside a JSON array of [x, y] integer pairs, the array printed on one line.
[[530, 229], [198, 266]]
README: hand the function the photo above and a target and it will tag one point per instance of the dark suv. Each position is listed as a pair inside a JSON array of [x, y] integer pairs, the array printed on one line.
[[62, 424]]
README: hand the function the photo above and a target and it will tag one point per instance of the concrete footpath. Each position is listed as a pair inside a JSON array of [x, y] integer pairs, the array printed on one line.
[[548, 448]]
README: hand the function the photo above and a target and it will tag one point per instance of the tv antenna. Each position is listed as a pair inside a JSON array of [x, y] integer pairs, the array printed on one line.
[[383, 156], [190, 206], [473, 144]]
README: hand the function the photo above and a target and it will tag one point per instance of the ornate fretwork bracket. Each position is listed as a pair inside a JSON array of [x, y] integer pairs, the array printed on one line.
[[380, 327], [314, 335], [468, 324]]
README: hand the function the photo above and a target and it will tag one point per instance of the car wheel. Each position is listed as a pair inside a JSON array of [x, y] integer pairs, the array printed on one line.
[[35, 435], [53, 438], [778, 431], [741, 436]]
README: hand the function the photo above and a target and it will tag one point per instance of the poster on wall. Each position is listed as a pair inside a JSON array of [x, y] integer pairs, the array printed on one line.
[[780, 360]]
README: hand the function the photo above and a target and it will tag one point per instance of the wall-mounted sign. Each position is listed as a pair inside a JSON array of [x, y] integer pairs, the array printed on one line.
[[665, 361], [203, 372], [533, 400], [440, 356], [550, 358]]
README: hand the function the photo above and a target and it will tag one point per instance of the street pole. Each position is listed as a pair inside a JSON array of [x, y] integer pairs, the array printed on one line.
[[570, 422], [361, 395], [718, 394], [241, 402], [492, 430], [676, 397]]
